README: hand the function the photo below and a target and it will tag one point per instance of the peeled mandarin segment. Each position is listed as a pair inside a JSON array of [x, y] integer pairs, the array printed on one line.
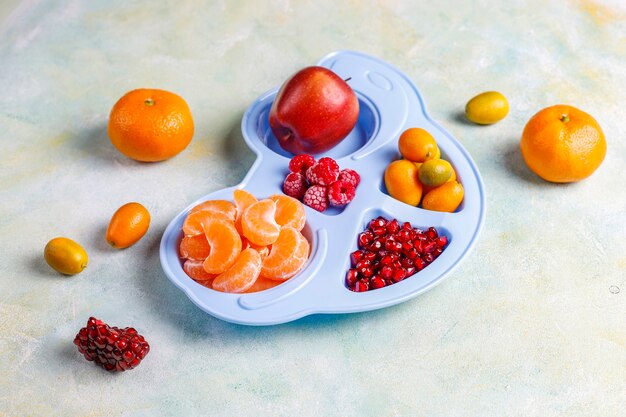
[[287, 257], [221, 206], [193, 223], [195, 247], [258, 224], [289, 211], [194, 269], [241, 275], [262, 284], [225, 245], [263, 250], [243, 200]]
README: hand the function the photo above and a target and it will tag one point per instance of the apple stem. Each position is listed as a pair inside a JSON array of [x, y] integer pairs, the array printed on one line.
[[348, 79]]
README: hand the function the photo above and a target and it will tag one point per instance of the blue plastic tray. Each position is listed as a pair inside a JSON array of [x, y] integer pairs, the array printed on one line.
[[389, 104]]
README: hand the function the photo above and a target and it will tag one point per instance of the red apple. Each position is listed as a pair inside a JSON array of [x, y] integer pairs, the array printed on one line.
[[314, 110]]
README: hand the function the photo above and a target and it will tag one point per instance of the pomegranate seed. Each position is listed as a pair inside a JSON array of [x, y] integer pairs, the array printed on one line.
[[407, 246], [351, 277], [410, 271], [431, 233], [398, 275], [404, 235], [375, 246], [366, 272], [393, 246], [386, 271], [393, 226], [396, 265], [386, 260], [406, 262], [429, 247], [441, 241], [356, 256], [361, 285], [365, 238], [437, 252], [406, 226], [369, 256], [377, 223], [362, 264], [377, 282], [379, 231], [412, 253], [419, 263], [428, 257], [382, 253]]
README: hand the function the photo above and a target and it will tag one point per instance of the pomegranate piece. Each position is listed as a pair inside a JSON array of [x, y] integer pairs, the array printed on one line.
[[389, 252], [112, 348]]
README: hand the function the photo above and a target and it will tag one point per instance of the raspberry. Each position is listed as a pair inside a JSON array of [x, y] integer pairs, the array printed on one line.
[[112, 348], [350, 176], [341, 193], [295, 185], [300, 163], [316, 198], [324, 172]]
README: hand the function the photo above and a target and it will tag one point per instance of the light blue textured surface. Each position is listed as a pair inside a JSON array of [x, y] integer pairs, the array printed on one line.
[[531, 324]]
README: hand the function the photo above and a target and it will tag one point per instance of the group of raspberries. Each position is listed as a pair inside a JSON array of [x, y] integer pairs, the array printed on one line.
[[320, 184]]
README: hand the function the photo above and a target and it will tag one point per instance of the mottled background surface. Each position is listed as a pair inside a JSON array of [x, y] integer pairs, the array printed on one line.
[[532, 324]]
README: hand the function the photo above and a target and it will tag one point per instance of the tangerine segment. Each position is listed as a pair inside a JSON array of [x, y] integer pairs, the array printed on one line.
[[193, 223], [225, 245], [258, 223], [288, 255], [263, 250], [221, 206], [243, 200], [289, 211], [262, 284], [195, 247], [194, 269], [241, 275]]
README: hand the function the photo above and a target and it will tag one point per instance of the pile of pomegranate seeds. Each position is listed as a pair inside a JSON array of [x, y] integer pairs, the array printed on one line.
[[390, 252], [112, 348]]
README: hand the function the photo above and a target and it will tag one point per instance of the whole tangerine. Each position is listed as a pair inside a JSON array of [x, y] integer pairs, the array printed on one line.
[[150, 125], [563, 144]]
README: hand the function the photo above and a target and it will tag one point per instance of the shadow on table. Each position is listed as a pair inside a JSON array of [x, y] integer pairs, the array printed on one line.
[[94, 142], [237, 154], [460, 118]]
